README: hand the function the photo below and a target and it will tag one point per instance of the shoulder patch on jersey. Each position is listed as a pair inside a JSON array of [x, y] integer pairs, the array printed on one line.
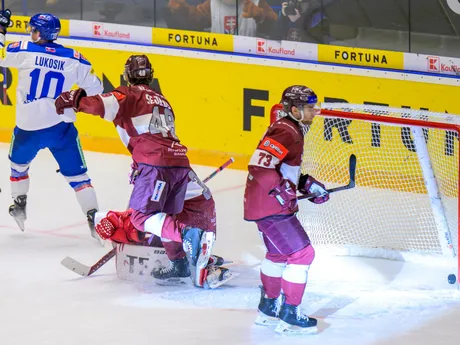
[[13, 47], [118, 95], [274, 147], [76, 54]]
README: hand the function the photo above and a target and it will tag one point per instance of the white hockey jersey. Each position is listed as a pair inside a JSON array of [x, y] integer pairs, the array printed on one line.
[[44, 72]]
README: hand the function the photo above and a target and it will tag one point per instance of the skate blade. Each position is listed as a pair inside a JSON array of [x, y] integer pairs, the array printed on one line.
[[264, 320], [285, 328], [172, 281], [215, 285], [97, 238], [20, 223]]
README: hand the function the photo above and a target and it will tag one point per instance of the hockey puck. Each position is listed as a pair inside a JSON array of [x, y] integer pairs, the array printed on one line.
[[452, 279]]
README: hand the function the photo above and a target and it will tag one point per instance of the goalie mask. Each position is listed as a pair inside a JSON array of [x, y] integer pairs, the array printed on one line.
[[138, 70]]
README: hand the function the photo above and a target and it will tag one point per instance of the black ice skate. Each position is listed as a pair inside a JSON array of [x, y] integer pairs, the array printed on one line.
[[18, 211], [292, 320], [177, 273], [269, 309]]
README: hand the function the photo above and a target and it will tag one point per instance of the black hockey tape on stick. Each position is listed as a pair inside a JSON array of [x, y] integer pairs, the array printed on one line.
[[351, 184], [85, 271]]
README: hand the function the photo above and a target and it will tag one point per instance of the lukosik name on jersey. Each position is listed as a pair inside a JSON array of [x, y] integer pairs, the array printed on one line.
[[49, 62]]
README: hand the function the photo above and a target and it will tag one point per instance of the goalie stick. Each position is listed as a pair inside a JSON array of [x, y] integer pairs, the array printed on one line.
[[351, 184], [222, 167], [85, 270]]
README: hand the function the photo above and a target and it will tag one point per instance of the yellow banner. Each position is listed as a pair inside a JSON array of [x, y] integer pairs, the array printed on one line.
[[192, 39], [361, 57], [20, 25], [222, 108]]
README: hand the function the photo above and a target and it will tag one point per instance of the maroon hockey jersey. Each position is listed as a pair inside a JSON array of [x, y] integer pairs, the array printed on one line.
[[145, 122], [277, 158]]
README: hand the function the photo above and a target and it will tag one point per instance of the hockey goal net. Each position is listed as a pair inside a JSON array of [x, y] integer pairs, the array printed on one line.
[[405, 203]]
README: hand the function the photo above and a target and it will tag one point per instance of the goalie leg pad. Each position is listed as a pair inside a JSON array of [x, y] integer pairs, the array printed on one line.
[[283, 234], [198, 245]]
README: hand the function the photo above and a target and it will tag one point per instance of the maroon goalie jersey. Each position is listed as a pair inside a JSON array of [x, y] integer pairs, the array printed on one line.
[[277, 158], [145, 122]]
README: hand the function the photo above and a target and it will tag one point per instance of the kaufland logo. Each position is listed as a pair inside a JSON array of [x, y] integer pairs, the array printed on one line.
[[264, 47], [434, 63], [261, 44], [100, 32], [97, 30]]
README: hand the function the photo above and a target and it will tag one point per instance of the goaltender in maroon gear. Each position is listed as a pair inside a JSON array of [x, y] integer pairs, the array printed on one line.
[[270, 201], [163, 177]]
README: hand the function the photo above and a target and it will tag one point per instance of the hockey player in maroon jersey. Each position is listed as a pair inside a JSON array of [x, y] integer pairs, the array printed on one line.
[[270, 200], [145, 122]]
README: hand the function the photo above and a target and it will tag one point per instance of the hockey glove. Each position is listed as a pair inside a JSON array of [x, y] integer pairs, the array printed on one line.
[[69, 99], [308, 185], [5, 20], [117, 227], [284, 194]]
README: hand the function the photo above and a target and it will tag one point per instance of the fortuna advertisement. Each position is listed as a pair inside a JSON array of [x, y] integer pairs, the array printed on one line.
[[222, 102]]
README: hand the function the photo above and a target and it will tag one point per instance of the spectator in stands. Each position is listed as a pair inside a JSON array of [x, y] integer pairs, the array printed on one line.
[[254, 16], [303, 21]]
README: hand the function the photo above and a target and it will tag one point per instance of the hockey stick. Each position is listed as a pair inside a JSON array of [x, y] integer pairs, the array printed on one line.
[[85, 271], [222, 167], [351, 184]]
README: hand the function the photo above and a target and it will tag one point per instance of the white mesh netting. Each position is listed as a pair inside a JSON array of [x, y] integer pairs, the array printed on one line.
[[388, 214]]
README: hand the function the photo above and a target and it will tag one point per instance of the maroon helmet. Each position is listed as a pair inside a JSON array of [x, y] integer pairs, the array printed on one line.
[[296, 96], [138, 70]]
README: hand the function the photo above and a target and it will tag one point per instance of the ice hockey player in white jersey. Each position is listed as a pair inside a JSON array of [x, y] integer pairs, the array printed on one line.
[[45, 70]]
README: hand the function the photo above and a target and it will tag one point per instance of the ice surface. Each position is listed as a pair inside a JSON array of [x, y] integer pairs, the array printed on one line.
[[356, 300]]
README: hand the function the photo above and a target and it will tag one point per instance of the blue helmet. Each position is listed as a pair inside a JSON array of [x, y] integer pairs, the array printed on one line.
[[47, 24]]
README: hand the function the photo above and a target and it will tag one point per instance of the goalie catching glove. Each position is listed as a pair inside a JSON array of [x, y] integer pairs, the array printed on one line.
[[117, 226], [309, 185]]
